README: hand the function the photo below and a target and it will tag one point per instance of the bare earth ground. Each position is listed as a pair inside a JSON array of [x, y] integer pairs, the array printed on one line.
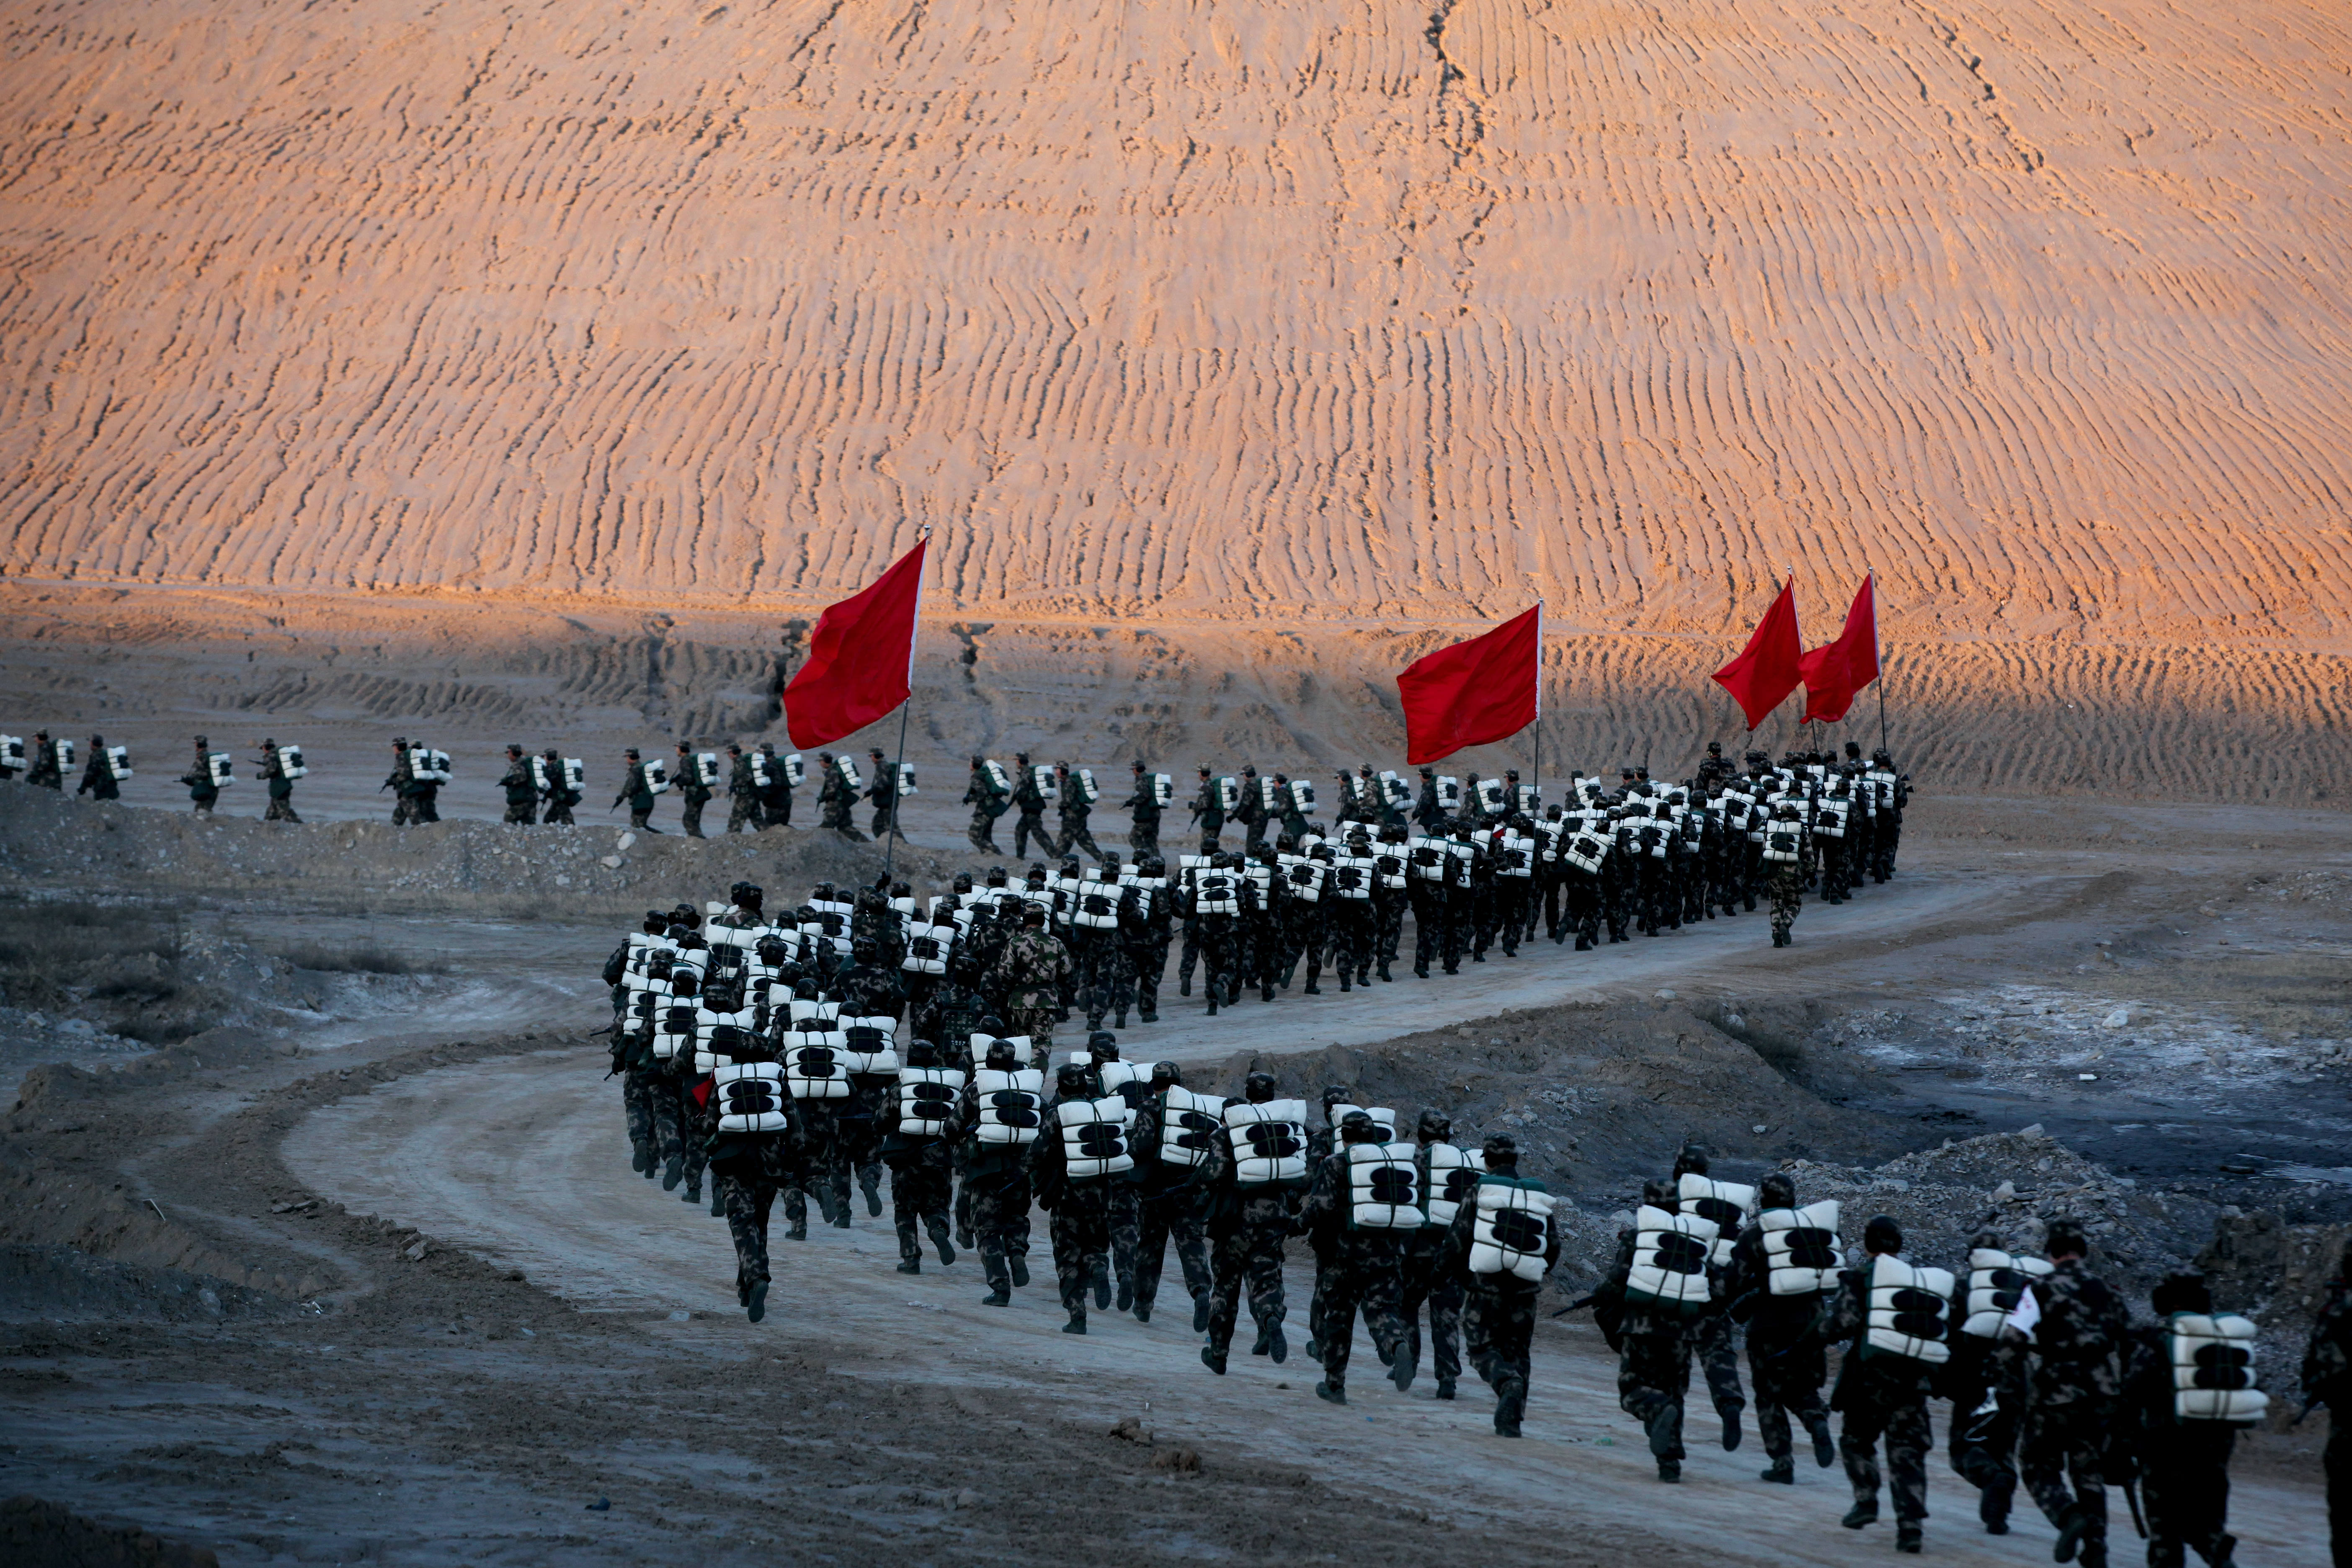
[[565, 1332]]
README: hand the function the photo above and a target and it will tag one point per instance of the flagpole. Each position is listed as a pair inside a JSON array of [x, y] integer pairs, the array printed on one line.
[[898, 768], [1876, 658], [1536, 767]]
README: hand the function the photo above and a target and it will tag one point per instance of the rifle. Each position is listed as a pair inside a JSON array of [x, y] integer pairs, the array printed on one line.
[[2131, 1496], [1578, 1305]]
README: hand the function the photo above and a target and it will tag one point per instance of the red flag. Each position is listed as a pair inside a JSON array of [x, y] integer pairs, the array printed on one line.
[[1475, 691], [1767, 670], [1835, 673], [861, 657]]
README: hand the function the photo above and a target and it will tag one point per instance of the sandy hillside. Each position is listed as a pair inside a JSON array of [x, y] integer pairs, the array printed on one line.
[[1327, 312]]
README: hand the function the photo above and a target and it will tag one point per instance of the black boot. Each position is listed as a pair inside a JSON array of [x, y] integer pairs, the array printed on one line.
[[1335, 1395]]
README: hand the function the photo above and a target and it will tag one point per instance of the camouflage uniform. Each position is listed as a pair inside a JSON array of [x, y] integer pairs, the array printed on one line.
[[693, 795], [2077, 1379], [749, 1169], [522, 792], [837, 803], [1030, 976], [1209, 813], [1880, 1395], [1784, 1355], [2184, 1466], [1499, 1318], [1360, 1270], [281, 788], [743, 797], [1030, 801], [1786, 886], [998, 1188], [987, 806], [1246, 1226], [1080, 1227], [1074, 810], [1984, 1381], [2327, 1377], [1144, 838], [1425, 1281], [1654, 1364], [557, 803]]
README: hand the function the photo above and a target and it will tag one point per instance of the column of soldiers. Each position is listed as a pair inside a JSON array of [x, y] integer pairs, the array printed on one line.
[[782, 1076]]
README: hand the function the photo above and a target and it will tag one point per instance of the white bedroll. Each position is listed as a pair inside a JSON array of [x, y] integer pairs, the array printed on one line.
[[1910, 1310], [927, 1099], [1997, 1281], [2213, 1368], [1801, 1254], [1670, 1257], [1725, 1202], [1383, 1187], [1511, 1227], [1269, 1141], [814, 1068], [870, 1045], [218, 764], [1010, 1103], [1453, 1177], [1094, 1137], [751, 1097], [1188, 1124]]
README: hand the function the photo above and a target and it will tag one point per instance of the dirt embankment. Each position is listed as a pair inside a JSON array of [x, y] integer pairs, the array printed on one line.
[[456, 868]]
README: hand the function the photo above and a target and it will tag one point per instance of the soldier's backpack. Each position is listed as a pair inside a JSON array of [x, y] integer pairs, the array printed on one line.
[[2212, 1358], [1395, 792], [994, 780], [1449, 794], [1383, 1187], [1302, 796], [1511, 1229], [795, 770], [1801, 1254], [1229, 794], [1725, 1202], [906, 779], [1163, 789], [656, 775], [1268, 1142], [1453, 1177], [705, 769], [1010, 1102], [1670, 1258], [1088, 790], [1909, 1311], [290, 763], [118, 762], [1490, 796], [846, 768]]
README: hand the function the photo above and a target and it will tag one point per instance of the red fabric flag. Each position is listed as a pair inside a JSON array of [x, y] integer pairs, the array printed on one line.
[[1767, 670], [1835, 673], [861, 657], [1475, 691]]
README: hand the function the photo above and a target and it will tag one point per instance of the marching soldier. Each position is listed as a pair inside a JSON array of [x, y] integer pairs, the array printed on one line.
[[2075, 1382], [776, 800], [836, 802], [2327, 1379], [1144, 838], [1293, 821], [1715, 1337], [1787, 846], [742, 793], [883, 793], [988, 803], [1884, 1394], [1428, 812], [1503, 1241], [1250, 812], [1172, 1204], [1426, 1278], [1029, 976], [282, 787], [1073, 810], [748, 1170], [522, 790], [1784, 1355], [1001, 1122], [1209, 811], [693, 793], [1257, 1167], [919, 1123], [46, 772], [1363, 1266], [1029, 802], [1653, 1345], [1071, 1178], [559, 797], [1148, 937], [98, 774], [198, 778], [2184, 1465], [638, 793]]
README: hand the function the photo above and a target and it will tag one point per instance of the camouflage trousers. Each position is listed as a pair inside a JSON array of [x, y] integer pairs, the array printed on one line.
[[2185, 1489], [1173, 1216], [1900, 1417], [1109, 984], [672, 1108], [689, 818], [1786, 886], [1076, 835], [1037, 1023], [1498, 1326], [1653, 1376], [1428, 925], [983, 831], [743, 813], [1250, 1256], [523, 816], [1033, 825], [1582, 914], [841, 818], [1366, 1274], [749, 1203], [643, 820], [406, 809], [1220, 953], [1123, 1214], [1444, 1297], [827, 1167], [2063, 1442], [1787, 1383], [1348, 928], [556, 814], [281, 809], [1151, 963], [921, 1194], [1143, 838], [1388, 921], [1080, 1232], [1716, 1344], [999, 1220], [1834, 885], [637, 1107], [859, 1138]]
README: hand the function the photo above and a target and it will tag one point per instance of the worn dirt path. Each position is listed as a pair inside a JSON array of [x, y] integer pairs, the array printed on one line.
[[523, 1160]]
